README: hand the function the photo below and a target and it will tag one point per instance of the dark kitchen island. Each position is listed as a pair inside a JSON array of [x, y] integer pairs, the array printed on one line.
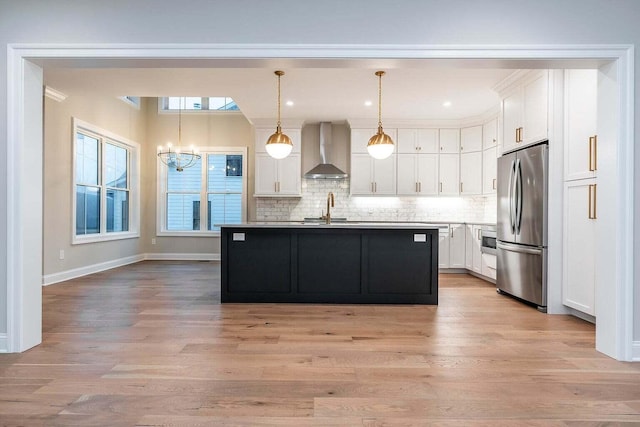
[[354, 263]]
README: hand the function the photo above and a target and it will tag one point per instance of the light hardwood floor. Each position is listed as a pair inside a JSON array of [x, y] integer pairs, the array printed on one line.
[[149, 344]]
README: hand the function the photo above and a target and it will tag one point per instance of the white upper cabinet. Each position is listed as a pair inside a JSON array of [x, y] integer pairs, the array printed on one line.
[[525, 111], [471, 139], [278, 178], [450, 141], [370, 176], [449, 174], [581, 108], [489, 170], [417, 141], [417, 174], [490, 134], [471, 173]]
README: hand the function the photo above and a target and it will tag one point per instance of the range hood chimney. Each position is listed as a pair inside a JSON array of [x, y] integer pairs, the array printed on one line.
[[325, 170]]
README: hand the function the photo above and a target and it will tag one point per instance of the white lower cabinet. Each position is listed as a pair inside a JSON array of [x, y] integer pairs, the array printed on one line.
[[457, 245], [443, 248], [473, 254], [579, 261], [488, 265]]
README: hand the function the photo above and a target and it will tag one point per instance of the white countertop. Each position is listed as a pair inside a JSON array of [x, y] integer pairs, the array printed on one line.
[[341, 224]]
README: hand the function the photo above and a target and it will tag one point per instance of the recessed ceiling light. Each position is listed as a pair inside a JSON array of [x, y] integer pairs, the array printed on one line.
[[290, 103], [446, 104], [368, 103]]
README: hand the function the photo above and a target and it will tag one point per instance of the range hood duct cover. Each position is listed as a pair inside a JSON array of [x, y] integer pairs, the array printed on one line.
[[325, 170]]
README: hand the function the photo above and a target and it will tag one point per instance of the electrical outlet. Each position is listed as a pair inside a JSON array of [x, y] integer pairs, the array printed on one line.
[[153, 241], [61, 255]]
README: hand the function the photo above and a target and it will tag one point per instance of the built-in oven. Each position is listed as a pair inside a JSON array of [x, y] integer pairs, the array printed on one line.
[[488, 239]]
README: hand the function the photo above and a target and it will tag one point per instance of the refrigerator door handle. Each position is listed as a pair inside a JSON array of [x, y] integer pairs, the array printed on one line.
[[518, 248], [511, 205], [519, 199]]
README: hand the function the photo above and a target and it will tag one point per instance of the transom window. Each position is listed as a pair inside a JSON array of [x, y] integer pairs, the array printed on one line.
[[197, 103], [105, 184], [211, 192]]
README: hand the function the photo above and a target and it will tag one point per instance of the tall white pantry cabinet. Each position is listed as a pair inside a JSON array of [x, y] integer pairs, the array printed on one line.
[[580, 190]]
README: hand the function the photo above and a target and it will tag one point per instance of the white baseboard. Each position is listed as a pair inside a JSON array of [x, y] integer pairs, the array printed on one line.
[[50, 279], [635, 351], [4, 343], [181, 257]]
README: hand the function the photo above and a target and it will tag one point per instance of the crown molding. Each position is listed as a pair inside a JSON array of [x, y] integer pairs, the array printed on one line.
[[56, 95]]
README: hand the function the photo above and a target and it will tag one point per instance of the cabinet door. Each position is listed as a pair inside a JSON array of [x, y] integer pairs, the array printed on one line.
[[361, 174], [489, 262], [449, 140], [443, 248], [535, 108], [456, 248], [490, 134], [428, 141], [407, 141], [471, 139], [384, 176], [468, 247], [266, 175], [289, 181], [489, 171], [427, 174], [360, 139], [407, 174], [449, 174], [471, 173], [476, 243], [581, 108], [512, 105], [579, 261]]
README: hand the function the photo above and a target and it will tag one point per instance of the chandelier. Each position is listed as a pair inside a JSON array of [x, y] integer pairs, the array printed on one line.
[[177, 157]]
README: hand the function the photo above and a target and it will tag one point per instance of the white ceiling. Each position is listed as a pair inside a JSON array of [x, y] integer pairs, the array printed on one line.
[[328, 93]]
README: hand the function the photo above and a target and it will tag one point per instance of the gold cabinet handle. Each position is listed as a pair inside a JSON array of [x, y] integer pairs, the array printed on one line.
[[441, 187], [478, 233], [372, 190], [593, 152], [416, 187], [593, 191], [451, 229], [494, 183], [517, 133], [461, 187], [419, 187]]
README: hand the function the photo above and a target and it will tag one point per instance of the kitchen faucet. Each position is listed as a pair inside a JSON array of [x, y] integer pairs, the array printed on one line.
[[330, 204]]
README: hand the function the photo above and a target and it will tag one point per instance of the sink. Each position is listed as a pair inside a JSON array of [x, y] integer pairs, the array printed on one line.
[[318, 220]]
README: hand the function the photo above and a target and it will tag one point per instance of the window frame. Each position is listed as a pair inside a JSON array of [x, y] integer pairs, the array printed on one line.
[[163, 103], [133, 184], [161, 204]]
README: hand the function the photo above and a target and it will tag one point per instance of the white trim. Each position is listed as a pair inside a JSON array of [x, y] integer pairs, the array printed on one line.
[[133, 186], [56, 95], [4, 343], [161, 186], [635, 351], [181, 257], [551, 56], [130, 102], [62, 276]]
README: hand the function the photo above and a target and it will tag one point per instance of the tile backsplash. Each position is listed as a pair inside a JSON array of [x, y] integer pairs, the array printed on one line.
[[313, 203]]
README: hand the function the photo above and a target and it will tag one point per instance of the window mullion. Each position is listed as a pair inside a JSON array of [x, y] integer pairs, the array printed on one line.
[[204, 169], [102, 187]]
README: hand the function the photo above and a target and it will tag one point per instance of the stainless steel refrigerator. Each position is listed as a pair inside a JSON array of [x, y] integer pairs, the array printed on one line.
[[522, 224]]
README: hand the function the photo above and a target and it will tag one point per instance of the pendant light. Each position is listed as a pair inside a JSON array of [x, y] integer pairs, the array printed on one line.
[[380, 145], [279, 145]]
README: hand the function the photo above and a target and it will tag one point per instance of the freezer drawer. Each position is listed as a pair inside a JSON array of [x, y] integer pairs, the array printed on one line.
[[522, 272]]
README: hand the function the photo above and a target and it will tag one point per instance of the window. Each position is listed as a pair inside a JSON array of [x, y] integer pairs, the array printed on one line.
[[104, 185], [191, 103], [212, 191]]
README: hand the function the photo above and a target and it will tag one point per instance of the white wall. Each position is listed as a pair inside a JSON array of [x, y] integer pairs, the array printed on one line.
[[432, 22]]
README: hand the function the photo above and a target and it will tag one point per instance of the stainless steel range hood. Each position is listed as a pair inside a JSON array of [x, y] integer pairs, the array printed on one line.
[[325, 170]]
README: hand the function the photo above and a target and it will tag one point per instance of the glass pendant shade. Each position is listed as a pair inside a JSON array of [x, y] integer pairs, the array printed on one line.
[[380, 145], [279, 145]]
